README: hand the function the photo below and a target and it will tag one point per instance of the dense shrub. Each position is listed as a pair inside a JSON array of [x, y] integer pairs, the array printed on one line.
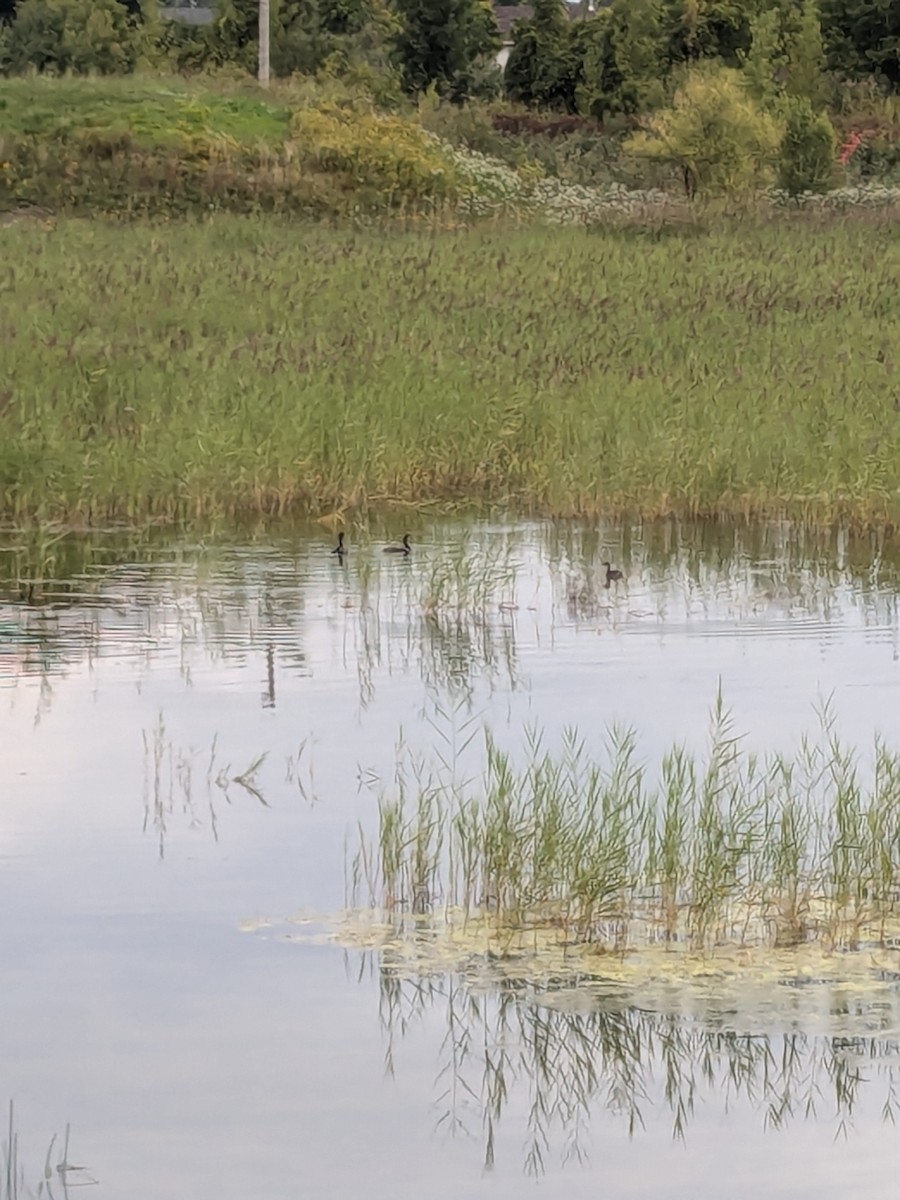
[[806, 158], [387, 161], [543, 70], [715, 133], [445, 44]]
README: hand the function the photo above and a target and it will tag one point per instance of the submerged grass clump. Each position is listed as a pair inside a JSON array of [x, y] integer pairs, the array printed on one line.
[[250, 365], [723, 849]]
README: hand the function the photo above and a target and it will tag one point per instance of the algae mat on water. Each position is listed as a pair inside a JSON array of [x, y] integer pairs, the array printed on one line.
[[253, 365], [820, 990]]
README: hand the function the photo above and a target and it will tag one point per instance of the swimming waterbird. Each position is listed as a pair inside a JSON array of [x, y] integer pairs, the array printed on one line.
[[613, 575], [404, 548]]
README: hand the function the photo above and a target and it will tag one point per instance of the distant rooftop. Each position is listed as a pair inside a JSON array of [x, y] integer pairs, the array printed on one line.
[[189, 12], [195, 12], [508, 14]]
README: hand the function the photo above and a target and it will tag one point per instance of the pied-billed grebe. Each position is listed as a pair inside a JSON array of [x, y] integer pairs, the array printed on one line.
[[339, 549], [404, 548], [613, 575]]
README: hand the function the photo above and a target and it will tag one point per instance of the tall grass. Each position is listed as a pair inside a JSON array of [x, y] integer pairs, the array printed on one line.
[[722, 848], [251, 365]]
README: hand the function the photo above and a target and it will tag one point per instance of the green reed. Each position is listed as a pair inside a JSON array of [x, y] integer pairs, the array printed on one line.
[[717, 847], [250, 365]]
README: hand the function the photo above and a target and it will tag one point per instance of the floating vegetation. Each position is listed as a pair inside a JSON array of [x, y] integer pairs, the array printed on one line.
[[725, 849], [792, 1034]]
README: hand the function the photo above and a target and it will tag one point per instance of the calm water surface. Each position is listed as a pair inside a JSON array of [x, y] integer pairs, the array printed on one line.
[[199, 1052]]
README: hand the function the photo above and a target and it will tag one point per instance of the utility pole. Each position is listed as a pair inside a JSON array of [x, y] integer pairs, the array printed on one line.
[[264, 43]]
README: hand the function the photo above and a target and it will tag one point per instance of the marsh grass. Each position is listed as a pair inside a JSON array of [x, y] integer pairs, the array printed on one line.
[[722, 848], [248, 366]]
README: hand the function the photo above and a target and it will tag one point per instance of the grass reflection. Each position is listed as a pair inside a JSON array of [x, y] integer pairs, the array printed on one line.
[[516, 1045], [58, 1171], [456, 614], [189, 784]]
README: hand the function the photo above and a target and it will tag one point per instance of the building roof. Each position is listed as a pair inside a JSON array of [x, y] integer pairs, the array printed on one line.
[[508, 14], [188, 14]]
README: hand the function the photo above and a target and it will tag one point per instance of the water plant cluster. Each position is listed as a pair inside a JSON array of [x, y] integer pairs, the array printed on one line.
[[721, 848], [247, 366]]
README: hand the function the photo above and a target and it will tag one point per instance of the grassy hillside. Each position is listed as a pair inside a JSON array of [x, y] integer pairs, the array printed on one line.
[[152, 110], [161, 146]]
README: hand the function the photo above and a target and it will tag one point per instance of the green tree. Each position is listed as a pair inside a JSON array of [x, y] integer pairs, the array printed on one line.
[[444, 43], [715, 134], [699, 29], [862, 37], [304, 34], [787, 55], [764, 64], [806, 160], [75, 35], [541, 64], [624, 60], [804, 52]]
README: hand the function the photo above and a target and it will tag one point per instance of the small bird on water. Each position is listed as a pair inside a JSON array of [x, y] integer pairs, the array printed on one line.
[[403, 548], [339, 549], [613, 575]]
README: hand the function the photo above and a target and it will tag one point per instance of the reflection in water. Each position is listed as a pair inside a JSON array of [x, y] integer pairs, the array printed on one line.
[[456, 613], [562, 1054], [15, 1182], [259, 640], [173, 776]]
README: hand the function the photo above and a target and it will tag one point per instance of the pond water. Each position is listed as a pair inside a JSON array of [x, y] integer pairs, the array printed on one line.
[[192, 729]]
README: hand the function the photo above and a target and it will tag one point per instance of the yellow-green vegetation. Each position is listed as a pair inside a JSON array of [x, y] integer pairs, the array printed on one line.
[[383, 161], [171, 146], [725, 848], [715, 132], [653, 976], [254, 365]]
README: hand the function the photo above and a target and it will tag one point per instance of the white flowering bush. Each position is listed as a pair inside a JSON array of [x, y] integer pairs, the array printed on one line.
[[865, 195], [490, 188]]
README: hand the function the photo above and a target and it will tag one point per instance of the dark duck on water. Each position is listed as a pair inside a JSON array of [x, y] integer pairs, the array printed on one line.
[[403, 548]]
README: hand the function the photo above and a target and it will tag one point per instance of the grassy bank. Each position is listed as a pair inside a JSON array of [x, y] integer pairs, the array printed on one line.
[[171, 146], [236, 365]]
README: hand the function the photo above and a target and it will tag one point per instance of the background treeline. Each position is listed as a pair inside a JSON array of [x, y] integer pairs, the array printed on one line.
[[619, 59], [713, 96]]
